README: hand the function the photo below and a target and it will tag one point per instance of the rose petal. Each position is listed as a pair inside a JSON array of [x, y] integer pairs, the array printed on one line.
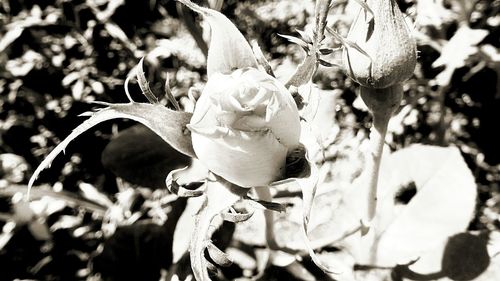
[[244, 158]]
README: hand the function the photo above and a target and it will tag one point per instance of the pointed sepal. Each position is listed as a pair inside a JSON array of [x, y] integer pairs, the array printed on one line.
[[228, 50]]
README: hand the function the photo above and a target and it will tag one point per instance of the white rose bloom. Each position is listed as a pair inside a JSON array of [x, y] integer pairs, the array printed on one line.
[[243, 126]]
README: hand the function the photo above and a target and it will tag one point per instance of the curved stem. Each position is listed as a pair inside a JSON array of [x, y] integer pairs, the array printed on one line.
[[220, 195], [198, 243]]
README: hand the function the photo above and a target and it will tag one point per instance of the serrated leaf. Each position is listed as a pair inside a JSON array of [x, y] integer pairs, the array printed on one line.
[[168, 124], [228, 49], [170, 95], [443, 182], [184, 229], [144, 84]]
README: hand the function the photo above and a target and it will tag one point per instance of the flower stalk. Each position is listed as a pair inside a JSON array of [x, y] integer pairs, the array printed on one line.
[[379, 54], [265, 195], [382, 103]]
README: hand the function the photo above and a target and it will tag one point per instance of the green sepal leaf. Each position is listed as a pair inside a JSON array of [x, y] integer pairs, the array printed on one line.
[[305, 36], [327, 51], [273, 206], [193, 189], [237, 217], [327, 64], [168, 124], [220, 195], [144, 84], [297, 41], [228, 50]]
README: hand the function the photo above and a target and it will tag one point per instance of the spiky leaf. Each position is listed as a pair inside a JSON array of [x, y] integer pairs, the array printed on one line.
[[168, 124]]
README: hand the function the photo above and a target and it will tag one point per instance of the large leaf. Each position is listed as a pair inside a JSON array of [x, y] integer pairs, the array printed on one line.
[[140, 156], [402, 231], [442, 206], [228, 49], [168, 124]]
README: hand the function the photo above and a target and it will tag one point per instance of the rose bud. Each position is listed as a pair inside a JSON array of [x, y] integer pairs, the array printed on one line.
[[243, 125], [387, 41]]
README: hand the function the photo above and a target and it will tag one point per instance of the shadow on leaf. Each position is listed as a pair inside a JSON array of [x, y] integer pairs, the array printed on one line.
[[465, 257]]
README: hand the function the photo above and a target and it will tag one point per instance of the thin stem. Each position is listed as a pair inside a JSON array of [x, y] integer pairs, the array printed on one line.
[[382, 103], [377, 138], [263, 193]]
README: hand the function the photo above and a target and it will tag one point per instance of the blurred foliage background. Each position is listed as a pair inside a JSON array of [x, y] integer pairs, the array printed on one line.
[[102, 212]]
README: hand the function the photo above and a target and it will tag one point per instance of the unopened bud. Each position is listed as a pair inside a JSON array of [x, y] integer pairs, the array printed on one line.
[[387, 41]]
